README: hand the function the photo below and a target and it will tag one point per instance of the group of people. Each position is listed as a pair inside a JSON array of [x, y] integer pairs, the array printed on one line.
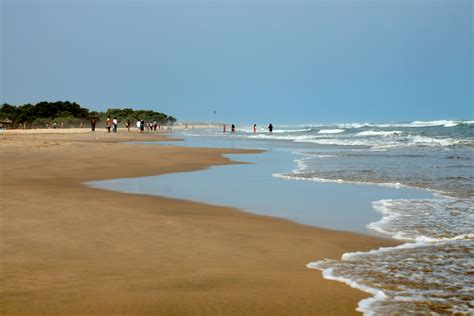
[[108, 124], [232, 128], [112, 125], [55, 125], [148, 125]]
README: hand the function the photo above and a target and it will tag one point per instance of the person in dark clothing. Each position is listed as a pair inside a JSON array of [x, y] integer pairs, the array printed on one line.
[[93, 120], [127, 125], [270, 128], [232, 128]]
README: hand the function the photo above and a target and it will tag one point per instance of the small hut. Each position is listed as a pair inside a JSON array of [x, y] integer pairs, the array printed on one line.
[[5, 123]]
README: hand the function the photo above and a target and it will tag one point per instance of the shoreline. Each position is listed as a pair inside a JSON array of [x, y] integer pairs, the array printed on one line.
[[100, 130], [70, 249]]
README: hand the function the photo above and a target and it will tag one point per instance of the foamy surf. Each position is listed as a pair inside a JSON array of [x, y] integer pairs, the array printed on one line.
[[295, 176], [364, 305], [431, 274], [379, 133], [331, 131]]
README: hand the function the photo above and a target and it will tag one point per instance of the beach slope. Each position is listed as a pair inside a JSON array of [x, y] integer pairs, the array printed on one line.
[[67, 249]]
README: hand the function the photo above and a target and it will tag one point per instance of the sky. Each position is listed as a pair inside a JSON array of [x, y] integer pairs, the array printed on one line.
[[250, 61]]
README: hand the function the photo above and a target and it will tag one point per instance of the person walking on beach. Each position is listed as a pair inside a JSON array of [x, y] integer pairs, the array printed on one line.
[[138, 124], [232, 128], [223, 126], [93, 124], [270, 128], [142, 125], [107, 124], [254, 128], [115, 121], [127, 125]]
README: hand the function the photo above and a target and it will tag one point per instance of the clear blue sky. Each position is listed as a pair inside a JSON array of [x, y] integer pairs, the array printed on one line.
[[279, 61]]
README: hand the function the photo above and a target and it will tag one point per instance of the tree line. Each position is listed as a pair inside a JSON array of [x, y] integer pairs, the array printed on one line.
[[71, 114]]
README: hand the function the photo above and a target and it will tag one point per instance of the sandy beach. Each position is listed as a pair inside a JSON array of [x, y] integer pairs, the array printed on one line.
[[67, 249]]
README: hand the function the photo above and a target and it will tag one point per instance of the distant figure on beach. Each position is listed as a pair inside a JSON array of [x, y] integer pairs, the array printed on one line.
[[142, 125], [223, 126], [55, 125], [254, 128], [115, 121], [62, 124], [107, 124], [47, 124], [232, 128], [93, 120], [138, 124], [82, 125], [270, 128], [127, 125]]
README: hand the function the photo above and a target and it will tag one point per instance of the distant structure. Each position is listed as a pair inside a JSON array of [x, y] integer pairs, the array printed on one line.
[[5, 123]]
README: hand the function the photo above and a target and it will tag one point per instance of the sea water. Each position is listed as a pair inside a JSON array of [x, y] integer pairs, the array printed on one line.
[[433, 271]]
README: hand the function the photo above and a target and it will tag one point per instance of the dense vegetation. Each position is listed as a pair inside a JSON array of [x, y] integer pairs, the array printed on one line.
[[72, 114]]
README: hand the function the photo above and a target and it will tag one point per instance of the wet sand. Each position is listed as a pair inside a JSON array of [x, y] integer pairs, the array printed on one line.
[[67, 249]]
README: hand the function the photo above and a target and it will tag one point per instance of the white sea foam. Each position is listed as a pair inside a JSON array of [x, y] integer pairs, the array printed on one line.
[[408, 278], [355, 255], [336, 141], [364, 305], [433, 268], [331, 131], [431, 141], [379, 133], [352, 125], [445, 123], [284, 137], [299, 176], [315, 155], [283, 131], [428, 220], [376, 140]]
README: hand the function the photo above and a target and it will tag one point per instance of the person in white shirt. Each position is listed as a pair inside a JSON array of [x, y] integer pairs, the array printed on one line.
[[115, 122]]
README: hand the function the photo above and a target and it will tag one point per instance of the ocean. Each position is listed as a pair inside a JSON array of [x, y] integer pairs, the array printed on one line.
[[432, 272]]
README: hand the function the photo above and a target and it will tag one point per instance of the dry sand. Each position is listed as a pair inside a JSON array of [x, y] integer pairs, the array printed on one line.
[[71, 250]]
